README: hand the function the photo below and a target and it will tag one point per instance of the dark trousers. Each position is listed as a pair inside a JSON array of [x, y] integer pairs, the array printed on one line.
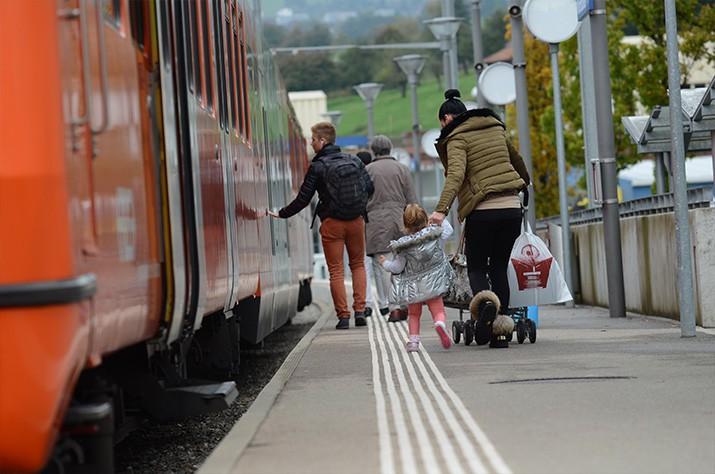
[[489, 237]]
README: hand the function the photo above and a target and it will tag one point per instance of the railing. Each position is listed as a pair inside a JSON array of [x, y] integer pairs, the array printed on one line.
[[658, 204]]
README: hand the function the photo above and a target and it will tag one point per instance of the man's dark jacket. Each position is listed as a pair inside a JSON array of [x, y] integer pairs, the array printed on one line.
[[314, 181]]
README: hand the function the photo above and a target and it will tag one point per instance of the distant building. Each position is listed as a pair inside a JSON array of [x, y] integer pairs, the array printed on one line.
[[309, 108], [637, 180], [503, 55]]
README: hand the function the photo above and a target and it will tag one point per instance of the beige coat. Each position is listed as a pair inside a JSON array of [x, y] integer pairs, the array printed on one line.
[[393, 191], [479, 161]]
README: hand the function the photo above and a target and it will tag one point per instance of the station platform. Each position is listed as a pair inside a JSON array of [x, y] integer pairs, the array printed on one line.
[[591, 395]]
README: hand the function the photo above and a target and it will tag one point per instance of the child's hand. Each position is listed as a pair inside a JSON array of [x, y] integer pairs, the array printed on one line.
[[381, 259]]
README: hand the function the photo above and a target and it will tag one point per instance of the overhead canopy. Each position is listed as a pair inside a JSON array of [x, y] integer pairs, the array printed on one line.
[[651, 133]]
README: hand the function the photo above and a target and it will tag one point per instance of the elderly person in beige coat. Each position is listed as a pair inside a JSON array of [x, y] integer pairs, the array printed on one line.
[[393, 192]]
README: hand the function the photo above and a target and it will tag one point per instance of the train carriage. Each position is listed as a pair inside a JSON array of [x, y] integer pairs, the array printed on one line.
[[142, 142]]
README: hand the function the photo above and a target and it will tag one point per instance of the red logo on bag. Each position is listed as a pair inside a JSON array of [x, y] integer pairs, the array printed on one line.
[[531, 271]]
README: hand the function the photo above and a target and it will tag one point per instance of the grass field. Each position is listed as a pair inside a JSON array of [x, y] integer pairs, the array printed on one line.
[[393, 116]]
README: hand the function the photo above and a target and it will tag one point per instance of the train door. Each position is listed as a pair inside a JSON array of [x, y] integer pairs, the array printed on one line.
[[221, 28], [72, 31], [110, 146], [181, 261]]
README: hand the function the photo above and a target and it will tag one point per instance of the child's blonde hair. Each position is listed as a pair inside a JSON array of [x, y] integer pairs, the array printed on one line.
[[414, 218]]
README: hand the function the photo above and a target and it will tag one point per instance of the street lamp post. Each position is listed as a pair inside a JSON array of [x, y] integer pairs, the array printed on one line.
[[445, 30], [368, 92], [411, 65], [477, 46], [555, 21], [522, 99], [680, 208], [333, 116]]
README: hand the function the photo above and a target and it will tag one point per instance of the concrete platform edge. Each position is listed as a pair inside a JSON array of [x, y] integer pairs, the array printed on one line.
[[229, 451]]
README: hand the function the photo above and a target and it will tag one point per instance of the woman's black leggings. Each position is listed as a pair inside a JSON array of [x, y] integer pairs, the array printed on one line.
[[489, 237]]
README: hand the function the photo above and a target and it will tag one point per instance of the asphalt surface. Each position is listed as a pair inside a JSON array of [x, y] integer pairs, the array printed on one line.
[[591, 395]]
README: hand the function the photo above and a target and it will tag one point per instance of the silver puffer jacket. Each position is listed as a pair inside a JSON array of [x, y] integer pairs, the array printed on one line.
[[427, 272]]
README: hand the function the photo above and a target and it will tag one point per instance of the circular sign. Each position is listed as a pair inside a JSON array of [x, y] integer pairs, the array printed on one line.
[[428, 139], [552, 21], [498, 84]]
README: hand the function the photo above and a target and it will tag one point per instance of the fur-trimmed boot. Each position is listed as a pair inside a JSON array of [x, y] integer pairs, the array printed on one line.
[[484, 308], [502, 327]]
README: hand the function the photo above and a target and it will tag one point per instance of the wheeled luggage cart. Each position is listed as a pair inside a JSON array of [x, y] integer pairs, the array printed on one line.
[[523, 325]]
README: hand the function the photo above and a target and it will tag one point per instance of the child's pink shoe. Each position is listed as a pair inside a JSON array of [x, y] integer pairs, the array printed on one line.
[[443, 336], [413, 344]]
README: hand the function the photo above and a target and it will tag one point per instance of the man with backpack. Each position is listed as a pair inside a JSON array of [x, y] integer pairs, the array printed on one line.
[[344, 188]]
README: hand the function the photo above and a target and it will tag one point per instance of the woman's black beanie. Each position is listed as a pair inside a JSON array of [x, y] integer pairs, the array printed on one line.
[[452, 105]]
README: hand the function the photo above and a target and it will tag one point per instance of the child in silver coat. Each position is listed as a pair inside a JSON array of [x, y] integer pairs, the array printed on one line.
[[421, 273]]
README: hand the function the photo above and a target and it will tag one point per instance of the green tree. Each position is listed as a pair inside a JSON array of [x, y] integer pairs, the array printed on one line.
[[639, 76], [493, 32], [308, 71]]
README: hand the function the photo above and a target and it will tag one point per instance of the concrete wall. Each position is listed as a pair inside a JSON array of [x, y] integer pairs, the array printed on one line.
[[650, 264]]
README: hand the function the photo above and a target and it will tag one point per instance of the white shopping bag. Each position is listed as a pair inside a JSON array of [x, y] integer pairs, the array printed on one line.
[[534, 274]]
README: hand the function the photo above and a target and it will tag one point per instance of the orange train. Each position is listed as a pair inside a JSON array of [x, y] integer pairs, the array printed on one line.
[[142, 142]]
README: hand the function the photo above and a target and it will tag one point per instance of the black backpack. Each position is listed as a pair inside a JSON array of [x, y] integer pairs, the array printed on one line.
[[346, 182]]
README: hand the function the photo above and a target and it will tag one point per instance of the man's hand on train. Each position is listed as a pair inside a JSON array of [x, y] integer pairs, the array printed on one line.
[[272, 214]]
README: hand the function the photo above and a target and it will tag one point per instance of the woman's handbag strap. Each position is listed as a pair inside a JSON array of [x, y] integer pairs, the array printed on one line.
[[460, 247]]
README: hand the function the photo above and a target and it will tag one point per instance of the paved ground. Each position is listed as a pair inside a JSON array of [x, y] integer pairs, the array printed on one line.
[[592, 395]]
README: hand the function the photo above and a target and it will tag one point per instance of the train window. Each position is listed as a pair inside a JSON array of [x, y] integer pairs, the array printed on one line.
[[195, 51], [243, 68], [185, 18], [208, 80], [220, 69], [237, 65], [112, 11], [230, 60], [136, 17], [165, 41]]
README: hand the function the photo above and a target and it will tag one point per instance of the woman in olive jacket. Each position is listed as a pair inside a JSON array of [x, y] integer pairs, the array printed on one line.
[[486, 173]]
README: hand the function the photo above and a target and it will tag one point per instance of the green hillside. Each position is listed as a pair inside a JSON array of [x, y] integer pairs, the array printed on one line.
[[393, 116]]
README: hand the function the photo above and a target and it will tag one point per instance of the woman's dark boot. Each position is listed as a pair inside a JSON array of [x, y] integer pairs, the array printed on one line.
[[502, 327], [484, 308]]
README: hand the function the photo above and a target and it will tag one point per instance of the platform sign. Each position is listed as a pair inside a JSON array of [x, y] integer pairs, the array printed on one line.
[[584, 7]]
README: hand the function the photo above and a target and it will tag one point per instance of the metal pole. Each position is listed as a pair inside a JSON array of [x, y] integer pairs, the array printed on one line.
[[453, 63], [668, 171], [607, 162], [448, 11], [370, 127], [522, 99], [412, 80], [446, 69], [712, 152], [478, 51], [561, 160], [588, 105], [682, 229], [659, 174]]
